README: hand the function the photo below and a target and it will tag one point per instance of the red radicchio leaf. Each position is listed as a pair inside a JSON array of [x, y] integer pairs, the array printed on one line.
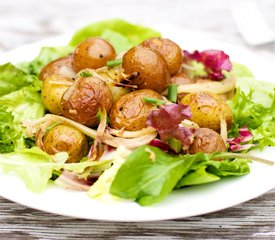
[[240, 143], [167, 119], [214, 62], [160, 144]]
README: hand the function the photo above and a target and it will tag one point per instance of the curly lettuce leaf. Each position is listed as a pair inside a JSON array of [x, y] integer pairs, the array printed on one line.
[[121, 34], [35, 167], [12, 79], [254, 106], [15, 108], [9, 131]]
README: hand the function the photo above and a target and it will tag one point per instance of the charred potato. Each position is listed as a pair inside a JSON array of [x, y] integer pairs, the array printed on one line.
[[62, 138], [150, 66], [92, 53], [207, 109], [130, 111], [52, 90], [171, 52], [82, 101], [207, 141], [61, 66]]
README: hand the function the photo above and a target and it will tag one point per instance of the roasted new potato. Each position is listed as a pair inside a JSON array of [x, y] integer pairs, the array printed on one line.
[[93, 53], [82, 101], [171, 52], [61, 66], [207, 110], [52, 90], [207, 141], [181, 79], [62, 138], [130, 111], [150, 66]]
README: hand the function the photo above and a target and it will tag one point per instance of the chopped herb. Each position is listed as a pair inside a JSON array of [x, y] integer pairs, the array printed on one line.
[[86, 74], [172, 92], [114, 63], [153, 101]]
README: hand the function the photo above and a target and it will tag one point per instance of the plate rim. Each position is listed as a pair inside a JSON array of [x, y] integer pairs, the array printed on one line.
[[34, 46]]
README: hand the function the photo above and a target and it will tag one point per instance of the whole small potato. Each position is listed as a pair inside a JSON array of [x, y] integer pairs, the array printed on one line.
[[207, 141], [207, 109], [151, 67], [130, 111], [61, 66], [52, 90], [62, 138], [171, 52], [82, 101], [92, 53]]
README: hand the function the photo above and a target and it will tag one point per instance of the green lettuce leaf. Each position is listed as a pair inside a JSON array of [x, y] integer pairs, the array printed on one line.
[[9, 131], [117, 31], [149, 174], [12, 79], [197, 177], [35, 167], [241, 70], [15, 108], [118, 41], [46, 55], [254, 106]]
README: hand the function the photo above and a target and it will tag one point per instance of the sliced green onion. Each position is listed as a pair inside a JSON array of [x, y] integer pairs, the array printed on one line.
[[86, 74], [114, 63], [172, 92], [153, 101], [175, 144]]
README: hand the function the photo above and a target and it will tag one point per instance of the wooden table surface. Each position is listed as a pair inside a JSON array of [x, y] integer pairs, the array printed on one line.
[[25, 21]]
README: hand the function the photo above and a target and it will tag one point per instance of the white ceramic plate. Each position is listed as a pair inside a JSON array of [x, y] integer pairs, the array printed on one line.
[[182, 203]]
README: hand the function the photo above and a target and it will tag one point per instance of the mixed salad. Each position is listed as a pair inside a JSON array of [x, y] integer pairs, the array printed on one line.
[[121, 112]]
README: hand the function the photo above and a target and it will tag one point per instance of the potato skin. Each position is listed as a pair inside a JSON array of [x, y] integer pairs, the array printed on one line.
[[151, 67], [207, 108], [130, 111], [171, 52], [61, 66], [82, 101], [207, 141], [62, 138], [181, 79], [52, 93], [92, 53]]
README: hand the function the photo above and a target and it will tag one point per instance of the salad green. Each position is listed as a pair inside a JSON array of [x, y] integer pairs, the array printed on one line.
[[151, 174]]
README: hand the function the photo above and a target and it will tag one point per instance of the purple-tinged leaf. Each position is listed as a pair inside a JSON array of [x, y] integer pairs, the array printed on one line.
[[214, 62], [167, 119], [241, 143]]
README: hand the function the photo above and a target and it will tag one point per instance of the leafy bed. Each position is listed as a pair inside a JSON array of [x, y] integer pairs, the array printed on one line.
[[151, 173]]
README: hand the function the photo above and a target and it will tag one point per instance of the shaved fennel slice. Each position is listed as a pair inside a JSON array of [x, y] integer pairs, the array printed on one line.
[[217, 87], [107, 138], [100, 189]]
